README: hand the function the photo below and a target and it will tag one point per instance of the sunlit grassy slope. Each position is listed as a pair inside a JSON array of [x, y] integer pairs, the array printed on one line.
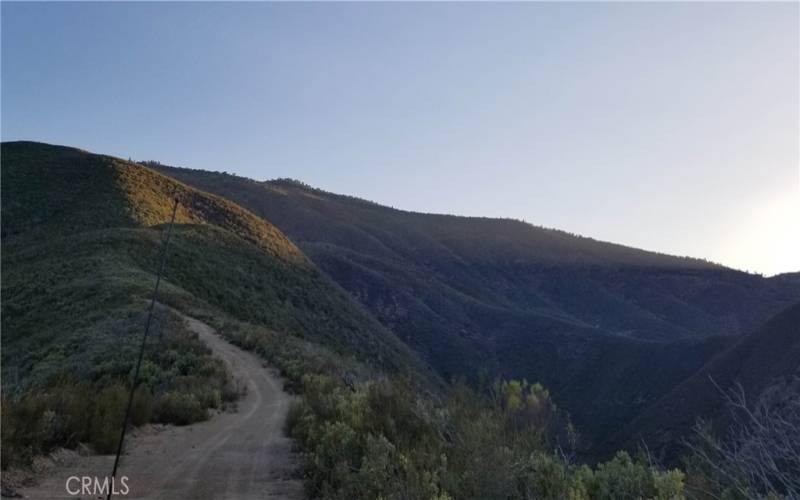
[[81, 234]]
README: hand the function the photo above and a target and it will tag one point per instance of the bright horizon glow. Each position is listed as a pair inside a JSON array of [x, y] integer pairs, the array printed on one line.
[[671, 127], [770, 233]]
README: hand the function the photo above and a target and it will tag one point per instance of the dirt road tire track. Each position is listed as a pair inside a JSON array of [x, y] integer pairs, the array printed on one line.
[[240, 455]]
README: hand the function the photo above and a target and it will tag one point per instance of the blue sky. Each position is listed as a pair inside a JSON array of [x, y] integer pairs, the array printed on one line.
[[666, 126]]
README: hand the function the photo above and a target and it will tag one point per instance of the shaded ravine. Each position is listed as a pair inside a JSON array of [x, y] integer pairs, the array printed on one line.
[[234, 455]]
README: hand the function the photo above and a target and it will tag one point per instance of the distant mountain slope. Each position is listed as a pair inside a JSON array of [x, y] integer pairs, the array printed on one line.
[[80, 238], [768, 358], [609, 328], [508, 264]]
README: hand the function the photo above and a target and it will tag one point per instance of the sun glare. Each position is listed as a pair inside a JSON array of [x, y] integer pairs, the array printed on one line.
[[768, 240]]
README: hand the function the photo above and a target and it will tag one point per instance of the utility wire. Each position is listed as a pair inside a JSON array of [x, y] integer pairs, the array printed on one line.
[[162, 260]]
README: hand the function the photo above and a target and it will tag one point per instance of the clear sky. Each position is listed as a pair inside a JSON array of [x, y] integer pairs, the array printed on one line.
[[667, 126]]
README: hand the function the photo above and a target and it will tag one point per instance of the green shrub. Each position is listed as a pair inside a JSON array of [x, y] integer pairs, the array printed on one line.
[[669, 484], [546, 477], [178, 381], [179, 409], [141, 406], [106, 419], [381, 439], [622, 477], [231, 390], [27, 425], [293, 416]]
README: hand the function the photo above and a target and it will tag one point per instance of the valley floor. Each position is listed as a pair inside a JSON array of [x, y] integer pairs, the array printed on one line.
[[234, 455]]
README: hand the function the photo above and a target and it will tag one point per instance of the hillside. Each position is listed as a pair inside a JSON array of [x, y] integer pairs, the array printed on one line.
[[80, 238], [504, 264], [609, 328], [767, 360]]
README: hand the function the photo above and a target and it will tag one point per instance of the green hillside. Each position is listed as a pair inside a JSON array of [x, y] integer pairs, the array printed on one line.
[[503, 263], [612, 331], [608, 328], [80, 238], [766, 363], [81, 234]]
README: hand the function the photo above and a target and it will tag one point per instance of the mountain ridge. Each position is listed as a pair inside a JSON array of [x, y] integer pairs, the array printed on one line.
[[470, 292], [608, 328], [79, 228], [289, 183]]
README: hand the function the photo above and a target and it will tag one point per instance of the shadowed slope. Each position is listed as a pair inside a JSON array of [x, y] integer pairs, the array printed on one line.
[[608, 328], [765, 360]]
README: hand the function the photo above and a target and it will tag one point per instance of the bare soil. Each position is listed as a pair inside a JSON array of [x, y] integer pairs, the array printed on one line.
[[241, 454]]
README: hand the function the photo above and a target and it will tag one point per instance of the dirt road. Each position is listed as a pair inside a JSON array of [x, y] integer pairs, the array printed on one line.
[[238, 455]]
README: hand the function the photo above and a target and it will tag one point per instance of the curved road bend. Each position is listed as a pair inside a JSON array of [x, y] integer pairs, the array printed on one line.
[[240, 455]]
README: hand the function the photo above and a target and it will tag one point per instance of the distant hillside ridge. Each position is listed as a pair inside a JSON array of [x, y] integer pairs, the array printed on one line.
[[491, 260], [519, 238], [610, 329]]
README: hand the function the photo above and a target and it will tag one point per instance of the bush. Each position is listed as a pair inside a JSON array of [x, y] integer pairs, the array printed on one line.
[[621, 477], [179, 409], [106, 419], [178, 379], [64, 415], [380, 439], [142, 406], [27, 425]]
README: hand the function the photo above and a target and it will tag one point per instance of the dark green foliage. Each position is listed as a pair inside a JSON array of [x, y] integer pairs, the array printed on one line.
[[366, 444], [293, 356], [51, 189], [178, 382], [81, 281], [609, 329], [106, 418], [366, 436], [621, 477], [81, 235], [760, 362], [63, 415], [382, 441], [179, 408]]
